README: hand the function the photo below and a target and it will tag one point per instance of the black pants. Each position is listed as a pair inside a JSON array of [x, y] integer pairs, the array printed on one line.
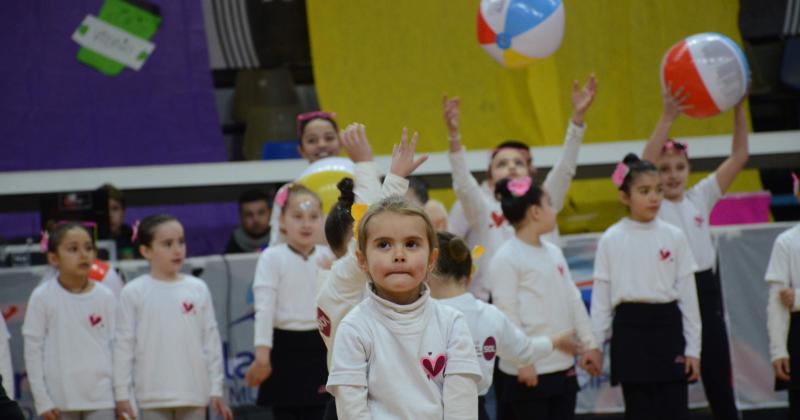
[[313, 412], [715, 355], [794, 404], [656, 401], [482, 413], [557, 407], [553, 398], [9, 409], [330, 410]]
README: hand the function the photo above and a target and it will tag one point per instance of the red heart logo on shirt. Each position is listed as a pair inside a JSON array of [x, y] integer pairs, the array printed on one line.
[[561, 269], [698, 220], [665, 254], [498, 218], [11, 311], [433, 366], [324, 323], [187, 307], [95, 319]]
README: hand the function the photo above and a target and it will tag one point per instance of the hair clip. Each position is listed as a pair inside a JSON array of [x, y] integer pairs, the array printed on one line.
[[306, 116], [43, 242], [620, 172], [519, 186], [135, 229]]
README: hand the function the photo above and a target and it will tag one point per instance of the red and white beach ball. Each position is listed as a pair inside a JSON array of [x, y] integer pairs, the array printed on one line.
[[711, 68], [518, 32]]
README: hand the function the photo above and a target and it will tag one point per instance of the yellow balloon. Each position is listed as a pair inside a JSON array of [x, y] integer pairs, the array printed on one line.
[[323, 183]]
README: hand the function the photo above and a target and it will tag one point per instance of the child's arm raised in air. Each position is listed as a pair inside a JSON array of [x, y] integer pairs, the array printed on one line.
[[465, 185], [560, 176], [674, 104], [366, 174], [730, 167]]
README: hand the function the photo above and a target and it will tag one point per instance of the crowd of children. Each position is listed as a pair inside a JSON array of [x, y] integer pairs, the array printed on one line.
[[389, 318]]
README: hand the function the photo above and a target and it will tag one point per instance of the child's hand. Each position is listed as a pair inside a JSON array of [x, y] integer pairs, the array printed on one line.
[[692, 369], [125, 411], [354, 140], [53, 414], [592, 362], [566, 342], [675, 102], [787, 297], [452, 115], [219, 407], [527, 375], [781, 367], [582, 98], [260, 370], [403, 163]]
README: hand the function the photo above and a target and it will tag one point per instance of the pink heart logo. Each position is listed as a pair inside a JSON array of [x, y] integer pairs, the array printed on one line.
[[433, 366], [187, 307], [95, 319], [665, 254], [498, 218], [698, 220], [561, 269]]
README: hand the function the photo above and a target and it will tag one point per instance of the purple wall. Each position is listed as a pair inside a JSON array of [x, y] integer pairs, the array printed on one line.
[[58, 113]]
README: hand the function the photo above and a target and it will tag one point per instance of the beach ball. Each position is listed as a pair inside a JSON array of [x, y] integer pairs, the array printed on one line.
[[322, 177], [711, 68], [518, 32]]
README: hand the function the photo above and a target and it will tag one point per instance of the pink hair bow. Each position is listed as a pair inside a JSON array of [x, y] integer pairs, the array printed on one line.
[[680, 147], [620, 172], [519, 186], [135, 229], [306, 116], [795, 184], [45, 239], [282, 195]]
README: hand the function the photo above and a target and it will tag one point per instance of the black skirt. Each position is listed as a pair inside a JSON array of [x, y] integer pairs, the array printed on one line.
[[793, 346], [299, 373], [550, 385], [647, 344]]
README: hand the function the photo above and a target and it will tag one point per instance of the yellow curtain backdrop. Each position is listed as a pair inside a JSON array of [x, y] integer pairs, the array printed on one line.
[[387, 65]]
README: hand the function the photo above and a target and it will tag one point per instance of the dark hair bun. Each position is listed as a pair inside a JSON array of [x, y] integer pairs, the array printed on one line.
[[630, 159], [346, 193], [458, 249]]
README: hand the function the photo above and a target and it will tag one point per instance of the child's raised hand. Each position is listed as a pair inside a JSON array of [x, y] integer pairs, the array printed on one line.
[[781, 367], [675, 102], [403, 163], [452, 115], [582, 98], [222, 409], [566, 342], [787, 297], [592, 362], [354, 140], [527, 375], [125, 411], [53, 414], [692, 369]]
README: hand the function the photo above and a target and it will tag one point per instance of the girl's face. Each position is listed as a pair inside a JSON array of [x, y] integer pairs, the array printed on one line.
[[74, 255], [508, 163], [167, 251], [674, 169], [644, 198], [398, 256], [320, 140], [301, 220]]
